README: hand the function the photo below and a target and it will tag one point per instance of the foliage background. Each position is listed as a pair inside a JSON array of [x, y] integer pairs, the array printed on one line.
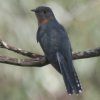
[[18, 27]]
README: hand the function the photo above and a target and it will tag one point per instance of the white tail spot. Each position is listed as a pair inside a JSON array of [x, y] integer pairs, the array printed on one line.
[[80, 91], [78, 85]]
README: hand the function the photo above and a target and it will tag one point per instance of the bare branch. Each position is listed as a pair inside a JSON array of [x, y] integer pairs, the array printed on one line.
[[4, 45], [87, 54], [38, 60], [24, 62], [76, 55]]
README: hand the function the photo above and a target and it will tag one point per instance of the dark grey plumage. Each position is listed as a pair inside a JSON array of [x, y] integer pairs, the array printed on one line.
[[56, 46]]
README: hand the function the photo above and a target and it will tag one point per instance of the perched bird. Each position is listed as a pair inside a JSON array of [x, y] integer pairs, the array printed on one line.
[[57, 48]]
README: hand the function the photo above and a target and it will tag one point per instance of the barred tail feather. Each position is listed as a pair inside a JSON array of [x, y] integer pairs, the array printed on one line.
[[69, 74]]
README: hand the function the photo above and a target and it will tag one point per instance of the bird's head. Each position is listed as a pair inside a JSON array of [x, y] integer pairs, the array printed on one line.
[[43, 14]]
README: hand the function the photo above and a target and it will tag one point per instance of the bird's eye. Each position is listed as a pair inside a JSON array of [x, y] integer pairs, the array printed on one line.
[[44, 12]]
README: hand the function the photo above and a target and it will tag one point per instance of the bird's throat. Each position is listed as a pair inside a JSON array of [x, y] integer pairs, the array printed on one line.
[[44, 21]]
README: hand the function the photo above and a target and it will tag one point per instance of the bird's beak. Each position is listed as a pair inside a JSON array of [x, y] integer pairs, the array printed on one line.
[[33, 10]]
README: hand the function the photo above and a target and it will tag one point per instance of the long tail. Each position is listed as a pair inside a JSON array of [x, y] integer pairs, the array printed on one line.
[[69, 74]]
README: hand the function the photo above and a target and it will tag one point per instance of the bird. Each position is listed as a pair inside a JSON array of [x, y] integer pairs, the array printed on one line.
[[56, 46]]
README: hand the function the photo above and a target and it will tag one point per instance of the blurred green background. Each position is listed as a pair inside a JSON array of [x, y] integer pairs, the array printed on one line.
[[18, 26]]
